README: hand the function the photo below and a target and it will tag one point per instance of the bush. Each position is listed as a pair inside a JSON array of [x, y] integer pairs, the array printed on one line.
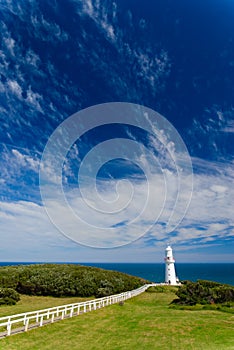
[[66, 280], [8, 296], [106, 288], [204, 292]]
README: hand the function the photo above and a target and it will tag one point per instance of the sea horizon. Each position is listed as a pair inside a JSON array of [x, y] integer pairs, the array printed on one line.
[[154, 272]]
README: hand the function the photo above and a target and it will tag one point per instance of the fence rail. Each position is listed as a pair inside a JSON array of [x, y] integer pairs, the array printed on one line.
[[23, 322]]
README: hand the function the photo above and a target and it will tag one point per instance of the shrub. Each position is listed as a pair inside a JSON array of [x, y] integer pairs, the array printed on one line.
[[8, 296], [66, 280], [106, 288], [204, 292]]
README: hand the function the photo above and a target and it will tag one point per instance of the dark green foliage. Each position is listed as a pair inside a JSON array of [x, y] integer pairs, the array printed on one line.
[[106, 288], [204, 292], [8, 296], [66, 280], [162, 289]]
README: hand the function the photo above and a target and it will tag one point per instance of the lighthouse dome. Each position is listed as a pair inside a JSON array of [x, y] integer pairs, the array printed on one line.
[[168, 248]]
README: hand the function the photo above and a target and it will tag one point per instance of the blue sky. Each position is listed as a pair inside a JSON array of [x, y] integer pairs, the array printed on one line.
[[61, 57]]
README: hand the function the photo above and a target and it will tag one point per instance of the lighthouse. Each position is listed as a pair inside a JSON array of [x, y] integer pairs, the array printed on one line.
[[170, 275]]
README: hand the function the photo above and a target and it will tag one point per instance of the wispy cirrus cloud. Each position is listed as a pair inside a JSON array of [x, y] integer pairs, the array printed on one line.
[[210, 135], [229, 127], [31, 109], [23, 97], [147, 63], [209, 220]]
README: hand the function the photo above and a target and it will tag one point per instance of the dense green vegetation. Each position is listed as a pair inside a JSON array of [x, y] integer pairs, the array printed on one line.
[[66, 280], [204, 292], [142, 323], [8, 296]]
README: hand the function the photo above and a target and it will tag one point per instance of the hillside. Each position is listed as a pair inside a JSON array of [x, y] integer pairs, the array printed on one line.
[[66, 280], [145, 322]]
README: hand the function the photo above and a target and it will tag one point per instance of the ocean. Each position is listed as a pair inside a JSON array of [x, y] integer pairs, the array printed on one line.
[[153, 272]]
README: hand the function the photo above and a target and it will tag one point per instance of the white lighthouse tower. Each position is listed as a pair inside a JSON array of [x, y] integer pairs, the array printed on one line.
[[170, 275]]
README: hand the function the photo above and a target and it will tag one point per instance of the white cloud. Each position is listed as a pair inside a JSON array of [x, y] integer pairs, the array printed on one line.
[[212, 203], [88, 7], [2, 181], [26, 160], [7, 40], [33, 98], [147, 65], [10, 44], [47, 31], [152, 68], [219, 189], [32, 58], [15, 88], [229, 128], [209, 218], [26, 233], [102, 15]]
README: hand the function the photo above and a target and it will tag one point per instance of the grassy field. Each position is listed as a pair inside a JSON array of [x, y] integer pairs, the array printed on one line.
[[32, 303], [144, 322]]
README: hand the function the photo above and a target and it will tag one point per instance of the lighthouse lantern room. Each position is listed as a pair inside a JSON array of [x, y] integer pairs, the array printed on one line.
[[170, 275]]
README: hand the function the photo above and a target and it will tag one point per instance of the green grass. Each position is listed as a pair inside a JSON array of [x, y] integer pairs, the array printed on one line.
[[32, 303], [142, 323]]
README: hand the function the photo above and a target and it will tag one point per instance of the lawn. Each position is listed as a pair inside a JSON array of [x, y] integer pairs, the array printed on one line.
[[144, 322], [32, 303]]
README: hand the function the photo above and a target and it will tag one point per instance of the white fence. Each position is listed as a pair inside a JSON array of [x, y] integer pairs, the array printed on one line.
[[23, 322]]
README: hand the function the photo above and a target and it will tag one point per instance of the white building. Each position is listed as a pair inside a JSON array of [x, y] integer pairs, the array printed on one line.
[[170, 274]]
